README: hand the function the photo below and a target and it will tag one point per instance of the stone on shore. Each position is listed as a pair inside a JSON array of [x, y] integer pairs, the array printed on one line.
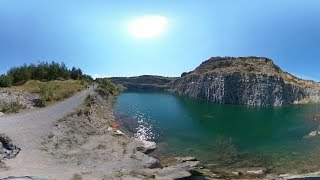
[[314, 133], [250, 171], [118, 132], [177, 171], [184, 159], [147, 146]]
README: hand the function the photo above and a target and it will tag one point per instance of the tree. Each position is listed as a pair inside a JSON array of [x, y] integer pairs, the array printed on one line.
[[5, 81], [75, 73]]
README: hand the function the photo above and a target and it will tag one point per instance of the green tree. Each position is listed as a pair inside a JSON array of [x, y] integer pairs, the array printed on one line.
[[5, 81]]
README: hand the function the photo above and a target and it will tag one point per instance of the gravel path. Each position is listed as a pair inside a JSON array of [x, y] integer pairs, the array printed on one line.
[[27, 130]]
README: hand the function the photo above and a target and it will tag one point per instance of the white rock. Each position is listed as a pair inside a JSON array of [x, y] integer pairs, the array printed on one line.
[[110, 129], [148, 146], [257, 171], [1, 114], [118, 132], [313, 133], [184, 159]]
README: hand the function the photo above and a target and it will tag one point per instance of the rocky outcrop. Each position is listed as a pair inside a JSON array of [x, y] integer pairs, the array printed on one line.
[[246, 80], [7, 149], [145, 82], [178, 170]]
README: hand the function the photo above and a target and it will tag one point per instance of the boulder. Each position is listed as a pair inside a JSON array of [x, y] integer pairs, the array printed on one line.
[[152, 163], [147, 146]]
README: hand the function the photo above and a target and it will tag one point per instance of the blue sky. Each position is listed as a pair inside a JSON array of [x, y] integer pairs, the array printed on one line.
[[93, 35]]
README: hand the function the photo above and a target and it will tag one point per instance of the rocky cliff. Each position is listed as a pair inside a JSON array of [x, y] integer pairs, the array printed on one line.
[[145, 82], [245, 80]]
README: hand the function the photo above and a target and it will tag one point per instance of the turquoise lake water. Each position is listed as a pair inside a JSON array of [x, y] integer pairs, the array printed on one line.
[[223, 136]]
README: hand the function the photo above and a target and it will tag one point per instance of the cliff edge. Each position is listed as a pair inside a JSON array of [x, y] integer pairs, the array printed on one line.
[[253, 81]]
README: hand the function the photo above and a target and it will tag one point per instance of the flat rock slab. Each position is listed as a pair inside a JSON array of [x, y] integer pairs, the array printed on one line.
[[185, 159]]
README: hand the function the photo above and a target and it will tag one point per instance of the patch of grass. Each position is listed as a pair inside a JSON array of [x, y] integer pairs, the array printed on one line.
[[120, 173], [11, 107], [77, 176], [49, 91]]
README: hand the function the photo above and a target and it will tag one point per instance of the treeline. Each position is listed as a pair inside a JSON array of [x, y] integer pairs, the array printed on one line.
[[43, 71]]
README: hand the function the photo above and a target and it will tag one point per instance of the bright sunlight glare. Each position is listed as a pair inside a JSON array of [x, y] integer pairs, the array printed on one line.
[[148, 26]]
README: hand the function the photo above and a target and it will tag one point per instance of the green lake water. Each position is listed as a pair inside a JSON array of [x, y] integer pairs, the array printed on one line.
[[223, 136]]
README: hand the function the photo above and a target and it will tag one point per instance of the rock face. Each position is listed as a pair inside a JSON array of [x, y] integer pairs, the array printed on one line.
[[246, 80], [145, 82]]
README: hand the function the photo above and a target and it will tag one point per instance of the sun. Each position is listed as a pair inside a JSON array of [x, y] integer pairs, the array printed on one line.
[[147, 26]]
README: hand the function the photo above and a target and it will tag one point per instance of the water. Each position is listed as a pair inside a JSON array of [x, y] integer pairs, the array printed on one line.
[[224, 136]]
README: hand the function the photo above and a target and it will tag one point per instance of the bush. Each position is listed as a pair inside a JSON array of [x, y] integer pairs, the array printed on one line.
[[107, 84], [11, 107], [41, 102], [46, 92]]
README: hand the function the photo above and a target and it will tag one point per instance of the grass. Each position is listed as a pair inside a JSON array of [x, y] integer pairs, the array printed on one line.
[[77, 176], [49, 91]]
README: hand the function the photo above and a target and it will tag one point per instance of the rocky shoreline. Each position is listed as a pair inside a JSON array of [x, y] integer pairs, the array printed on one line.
[[90, 139]]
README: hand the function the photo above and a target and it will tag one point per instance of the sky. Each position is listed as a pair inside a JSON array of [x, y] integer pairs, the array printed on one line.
[[94, 35]]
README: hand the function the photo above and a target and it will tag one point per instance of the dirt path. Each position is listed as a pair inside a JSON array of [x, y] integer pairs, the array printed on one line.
[[27, 129]]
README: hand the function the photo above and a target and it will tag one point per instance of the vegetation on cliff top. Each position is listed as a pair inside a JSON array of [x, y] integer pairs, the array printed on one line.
[[49, 81], [250, 64], [106, 84], [43, 71]]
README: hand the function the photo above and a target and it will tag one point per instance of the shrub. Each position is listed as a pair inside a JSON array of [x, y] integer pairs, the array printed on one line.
[[46, 92], [11, 107], [107, 84], [41, 102]]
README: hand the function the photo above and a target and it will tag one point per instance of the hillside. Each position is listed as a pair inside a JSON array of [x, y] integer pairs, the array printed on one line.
[[245, 80], [145, 82]]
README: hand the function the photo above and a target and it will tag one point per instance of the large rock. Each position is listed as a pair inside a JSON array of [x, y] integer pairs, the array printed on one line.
[[146, 146], [248, 81], [178, 170], [151, 163]]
